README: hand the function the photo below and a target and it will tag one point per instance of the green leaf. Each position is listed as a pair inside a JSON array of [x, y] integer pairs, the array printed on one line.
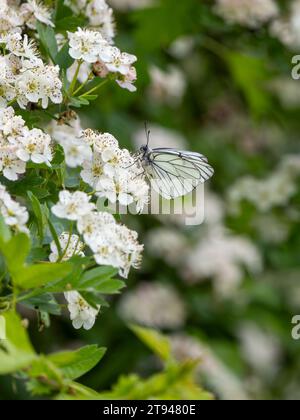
[[63, 59], [45, 303], [41, 274], [70, 23], [5, 233], [38, 212], [16, 351], [100, 280], [157, 342], [47, 39], [76, 363], [15, 252], [250, 73]]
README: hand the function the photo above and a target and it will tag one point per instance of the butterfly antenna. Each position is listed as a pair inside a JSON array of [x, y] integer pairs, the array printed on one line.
[[147, 133]]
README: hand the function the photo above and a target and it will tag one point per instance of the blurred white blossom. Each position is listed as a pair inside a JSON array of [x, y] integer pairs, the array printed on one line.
[[260, 348], [221, 256], [154, 305], [249, 13], [287, 28], [167, 86], [72, 206], [220, 378]]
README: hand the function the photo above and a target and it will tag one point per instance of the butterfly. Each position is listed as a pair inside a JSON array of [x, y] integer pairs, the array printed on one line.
[[173, 173]]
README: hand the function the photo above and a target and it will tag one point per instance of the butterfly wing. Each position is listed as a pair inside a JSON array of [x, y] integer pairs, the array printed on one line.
[[174, 173]]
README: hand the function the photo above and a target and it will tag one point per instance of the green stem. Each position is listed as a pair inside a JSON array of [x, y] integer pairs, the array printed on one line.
[[94, 88], [68, 243], [83, 84], [74, 80]]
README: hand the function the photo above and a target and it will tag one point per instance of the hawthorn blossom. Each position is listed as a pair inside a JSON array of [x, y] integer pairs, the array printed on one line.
[[35, 145], [10, 164], [81, 313], [90, 226], [33, 11], [38, 82], [15, 215], [86, 45], [250, 13], [70, 245], [153, 305], [111, 243], [72, 206]]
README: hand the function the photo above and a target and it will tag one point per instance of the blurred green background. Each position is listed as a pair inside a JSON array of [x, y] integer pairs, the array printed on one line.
[[225, 291]]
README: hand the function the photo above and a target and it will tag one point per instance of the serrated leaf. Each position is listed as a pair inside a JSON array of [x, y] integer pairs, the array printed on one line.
[[41, 274], [74, 364]]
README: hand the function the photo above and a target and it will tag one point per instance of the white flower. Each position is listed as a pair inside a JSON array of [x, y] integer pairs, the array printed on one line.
[[35, 146], [38, 82], [83, 74], [10, 164], [118, 62], [86, 45], [127, 81], [76, 152], [13, 213], [154, 305], [12, 126], [92, 170], [33, 11], [90, 225], [21, 46], [81, 313], [101, 17], [250, 13], [111, 243], [72, 206], [167, 86], [70, 245], [116, 189]]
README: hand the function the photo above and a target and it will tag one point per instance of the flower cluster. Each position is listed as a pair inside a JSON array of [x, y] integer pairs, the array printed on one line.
[[91, 47], [14, 17], [111, 243], [24, 77], [19, 144], [275, 190], [249, 13], [154, 305], [14, 215], [221, 255], [99, 14]]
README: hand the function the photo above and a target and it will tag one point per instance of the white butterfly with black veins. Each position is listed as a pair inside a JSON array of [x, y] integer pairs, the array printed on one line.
[[174, 173]]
